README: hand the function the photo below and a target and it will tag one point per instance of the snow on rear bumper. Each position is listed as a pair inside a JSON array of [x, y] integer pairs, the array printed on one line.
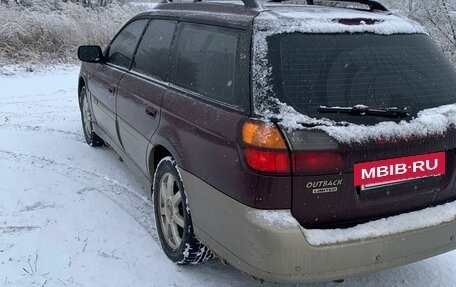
[[271, 245], [399, 224]]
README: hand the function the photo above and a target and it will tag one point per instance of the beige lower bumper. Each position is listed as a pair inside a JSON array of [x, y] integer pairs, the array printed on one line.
[[269, 248]]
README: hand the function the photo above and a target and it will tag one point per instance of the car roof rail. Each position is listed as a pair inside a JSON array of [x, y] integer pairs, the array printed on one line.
[[254, 4], [257, 4], [373, 5]]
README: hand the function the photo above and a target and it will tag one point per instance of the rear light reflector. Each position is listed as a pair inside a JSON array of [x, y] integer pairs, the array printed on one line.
[[317, 161], [264, 147], [262, 135], [276, 161]]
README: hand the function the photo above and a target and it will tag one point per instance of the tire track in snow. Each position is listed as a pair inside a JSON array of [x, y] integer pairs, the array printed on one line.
[[17, 229], [39, 97], [40, 205], [40, 129], [140, 208]]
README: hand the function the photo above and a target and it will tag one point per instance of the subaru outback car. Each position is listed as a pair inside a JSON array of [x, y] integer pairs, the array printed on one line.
[[297, 142]]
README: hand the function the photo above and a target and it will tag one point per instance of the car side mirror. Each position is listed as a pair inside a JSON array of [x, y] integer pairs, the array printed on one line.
[[91, 54]]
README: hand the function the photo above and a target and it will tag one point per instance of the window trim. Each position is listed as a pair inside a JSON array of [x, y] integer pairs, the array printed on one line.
[[149, 78], [207, 100], [106, 51]]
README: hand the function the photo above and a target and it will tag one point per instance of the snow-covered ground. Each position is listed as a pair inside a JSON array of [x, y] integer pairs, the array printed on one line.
[[72, 215]]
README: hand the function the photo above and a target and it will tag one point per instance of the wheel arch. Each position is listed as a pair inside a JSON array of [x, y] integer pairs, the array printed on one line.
[[155, 156], [164, 143], [81, 83]]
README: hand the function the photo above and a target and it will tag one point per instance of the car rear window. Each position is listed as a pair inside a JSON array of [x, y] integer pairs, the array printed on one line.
[[344, 70]]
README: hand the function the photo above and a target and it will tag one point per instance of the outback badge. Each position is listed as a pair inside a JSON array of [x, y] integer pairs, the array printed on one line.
[[324, 186]]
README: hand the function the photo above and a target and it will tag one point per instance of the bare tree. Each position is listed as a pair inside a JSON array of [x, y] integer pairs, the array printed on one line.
[[438, 16]]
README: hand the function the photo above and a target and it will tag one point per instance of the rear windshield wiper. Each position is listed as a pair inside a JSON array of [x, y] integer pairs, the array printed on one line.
[[361, 110]]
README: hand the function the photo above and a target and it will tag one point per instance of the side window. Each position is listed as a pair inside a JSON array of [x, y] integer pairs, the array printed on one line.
[[209, 61], [123, 46], [152, 55]]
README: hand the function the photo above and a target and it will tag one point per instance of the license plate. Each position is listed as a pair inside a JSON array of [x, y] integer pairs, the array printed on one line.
[[388, 171]]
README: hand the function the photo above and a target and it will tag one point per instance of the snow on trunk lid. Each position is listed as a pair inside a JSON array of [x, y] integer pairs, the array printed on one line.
[[320, 20]]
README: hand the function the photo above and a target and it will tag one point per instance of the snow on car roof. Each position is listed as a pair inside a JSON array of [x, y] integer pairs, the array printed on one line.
[[311, 19]]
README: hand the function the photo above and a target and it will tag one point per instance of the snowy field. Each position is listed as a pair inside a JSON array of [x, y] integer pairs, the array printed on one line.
[[72, 215]]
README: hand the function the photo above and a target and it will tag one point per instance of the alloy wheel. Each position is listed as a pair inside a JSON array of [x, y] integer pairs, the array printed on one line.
[[171, 210]]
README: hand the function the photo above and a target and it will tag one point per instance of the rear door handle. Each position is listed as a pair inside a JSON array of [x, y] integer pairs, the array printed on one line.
[[151, 112]]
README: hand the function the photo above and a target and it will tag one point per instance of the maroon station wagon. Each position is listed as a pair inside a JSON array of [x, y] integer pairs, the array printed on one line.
[[296, 142]]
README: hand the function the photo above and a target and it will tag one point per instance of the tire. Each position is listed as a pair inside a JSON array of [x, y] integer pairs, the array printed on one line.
[[91, 137], [172, 216]]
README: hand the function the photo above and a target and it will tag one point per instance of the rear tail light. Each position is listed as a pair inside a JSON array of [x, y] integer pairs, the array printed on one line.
[[265, 148], [317, 162], [312, 152], [268, 161]]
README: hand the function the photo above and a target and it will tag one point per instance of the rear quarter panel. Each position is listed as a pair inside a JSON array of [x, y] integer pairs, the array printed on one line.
[[204, 138]]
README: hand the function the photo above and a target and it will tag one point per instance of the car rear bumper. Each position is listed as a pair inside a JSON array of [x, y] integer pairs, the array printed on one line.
[[272, 246]]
